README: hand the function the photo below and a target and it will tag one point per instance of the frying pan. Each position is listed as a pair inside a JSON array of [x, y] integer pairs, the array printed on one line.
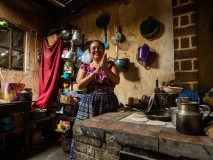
[[149, 28], [159, 115], [102, 20]]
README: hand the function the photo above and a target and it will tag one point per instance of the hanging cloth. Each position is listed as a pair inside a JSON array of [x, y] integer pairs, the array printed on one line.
[[49, 69]]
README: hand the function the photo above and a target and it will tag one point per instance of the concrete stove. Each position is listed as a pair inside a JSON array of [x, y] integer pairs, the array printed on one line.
[[108, 137]]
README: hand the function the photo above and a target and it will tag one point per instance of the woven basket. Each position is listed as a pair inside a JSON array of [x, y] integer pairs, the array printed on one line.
[[67, 100]]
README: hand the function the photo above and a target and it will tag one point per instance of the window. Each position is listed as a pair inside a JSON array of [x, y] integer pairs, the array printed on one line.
[[12, 48]]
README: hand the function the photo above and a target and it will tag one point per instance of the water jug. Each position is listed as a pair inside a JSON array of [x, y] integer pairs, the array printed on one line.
[[189, 119]]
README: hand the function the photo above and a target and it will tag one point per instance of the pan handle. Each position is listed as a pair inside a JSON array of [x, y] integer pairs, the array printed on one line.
[[151, 101]]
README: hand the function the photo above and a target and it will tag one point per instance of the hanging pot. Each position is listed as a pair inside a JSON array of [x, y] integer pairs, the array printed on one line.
[[76, 37], [149, 28], [145, 56], [118, 37], [143, 52], [65, 35], [122, 64], [102, 20]]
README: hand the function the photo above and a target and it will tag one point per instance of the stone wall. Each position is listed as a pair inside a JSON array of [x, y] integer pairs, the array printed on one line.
[[185, 43]]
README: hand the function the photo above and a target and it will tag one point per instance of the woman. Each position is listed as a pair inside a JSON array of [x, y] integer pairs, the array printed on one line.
[[99, 78]]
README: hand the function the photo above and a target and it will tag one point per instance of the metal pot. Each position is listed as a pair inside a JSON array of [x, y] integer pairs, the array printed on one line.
[[76, 37], [102, 20], [66, 35], [70, 57], [173, 116], [122, 64], [159, 115], [149, 28], [164, 100], [189, 120], [145, 56], [143, 52], [25, 94]]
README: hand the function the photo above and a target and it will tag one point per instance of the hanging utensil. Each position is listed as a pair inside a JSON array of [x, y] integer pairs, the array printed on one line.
[[118, 37], [106, 44], [149, 28], [116, 50], [102, 20]]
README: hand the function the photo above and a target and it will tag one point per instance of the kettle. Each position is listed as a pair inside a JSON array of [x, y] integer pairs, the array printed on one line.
[[189, 119], [25, 94]]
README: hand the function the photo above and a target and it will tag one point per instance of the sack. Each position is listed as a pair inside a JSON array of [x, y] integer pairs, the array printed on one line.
[[86, 57], [12, 91]]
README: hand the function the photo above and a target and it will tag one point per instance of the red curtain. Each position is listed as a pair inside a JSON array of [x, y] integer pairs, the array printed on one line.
[[49, 69]]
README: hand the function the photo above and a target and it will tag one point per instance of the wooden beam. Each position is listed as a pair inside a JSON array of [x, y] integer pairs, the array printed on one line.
[[55, 2]]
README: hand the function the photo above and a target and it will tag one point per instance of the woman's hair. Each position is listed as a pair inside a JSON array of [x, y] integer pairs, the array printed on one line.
[[101, 43]]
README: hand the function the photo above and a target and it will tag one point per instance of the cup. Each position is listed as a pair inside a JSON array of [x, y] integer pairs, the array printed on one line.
[[130, 100]]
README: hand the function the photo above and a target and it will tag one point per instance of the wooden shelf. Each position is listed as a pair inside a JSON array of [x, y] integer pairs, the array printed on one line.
[[70, 119], [14, 130], [59, 130], [58, 112], [40, 120]]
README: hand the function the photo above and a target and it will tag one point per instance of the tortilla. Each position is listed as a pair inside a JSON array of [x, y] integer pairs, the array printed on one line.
[[139, 115], [139, 119], [157, 123]]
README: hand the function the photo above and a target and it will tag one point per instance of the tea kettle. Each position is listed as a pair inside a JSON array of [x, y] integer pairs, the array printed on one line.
[[189, 119]]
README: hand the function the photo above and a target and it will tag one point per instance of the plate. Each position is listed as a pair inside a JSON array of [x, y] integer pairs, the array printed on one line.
[[191, 94]]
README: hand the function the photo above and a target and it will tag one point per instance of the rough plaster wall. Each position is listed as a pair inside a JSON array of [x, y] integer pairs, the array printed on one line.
[[137, 80], [26, 15]]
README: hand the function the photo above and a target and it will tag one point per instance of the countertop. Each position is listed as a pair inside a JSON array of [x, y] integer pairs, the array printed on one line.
[[160, 139]]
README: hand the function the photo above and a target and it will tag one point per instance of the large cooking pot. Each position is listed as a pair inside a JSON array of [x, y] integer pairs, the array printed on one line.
[[189, 119], [164, 100], [149, 28]]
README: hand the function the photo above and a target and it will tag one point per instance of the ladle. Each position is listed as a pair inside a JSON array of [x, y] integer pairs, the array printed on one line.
[[106, 44]]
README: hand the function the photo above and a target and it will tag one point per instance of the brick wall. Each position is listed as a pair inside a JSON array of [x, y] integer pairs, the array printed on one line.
[[185, 43]]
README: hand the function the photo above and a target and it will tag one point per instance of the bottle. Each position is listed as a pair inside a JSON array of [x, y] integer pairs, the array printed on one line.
[[157, 89]]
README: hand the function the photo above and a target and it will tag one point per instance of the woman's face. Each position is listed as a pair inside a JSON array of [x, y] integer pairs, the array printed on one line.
[[96, 51]]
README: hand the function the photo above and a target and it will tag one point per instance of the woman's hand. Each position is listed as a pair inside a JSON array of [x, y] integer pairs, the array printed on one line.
[[98, 69], [104, 62], [112, 74]]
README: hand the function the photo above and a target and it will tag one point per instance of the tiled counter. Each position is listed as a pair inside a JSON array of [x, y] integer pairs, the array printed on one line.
[[108, 137]]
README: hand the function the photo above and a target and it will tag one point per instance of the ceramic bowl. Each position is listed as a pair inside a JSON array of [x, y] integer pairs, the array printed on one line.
[[173, 90]]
